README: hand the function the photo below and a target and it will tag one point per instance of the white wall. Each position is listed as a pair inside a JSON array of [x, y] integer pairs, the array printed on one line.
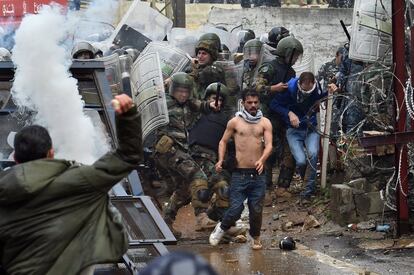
[[317, 27]]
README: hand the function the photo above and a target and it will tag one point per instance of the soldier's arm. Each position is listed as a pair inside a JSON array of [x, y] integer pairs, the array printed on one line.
[[200, 106], [263, 79]]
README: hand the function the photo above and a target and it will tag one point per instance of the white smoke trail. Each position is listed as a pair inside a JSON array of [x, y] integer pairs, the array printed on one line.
[[43, 84]]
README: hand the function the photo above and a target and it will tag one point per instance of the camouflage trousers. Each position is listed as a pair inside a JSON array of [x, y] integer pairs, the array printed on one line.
[[188, 180], [218, 183]]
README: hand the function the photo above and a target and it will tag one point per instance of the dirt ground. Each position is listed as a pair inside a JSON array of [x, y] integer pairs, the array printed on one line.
[[322, 246]]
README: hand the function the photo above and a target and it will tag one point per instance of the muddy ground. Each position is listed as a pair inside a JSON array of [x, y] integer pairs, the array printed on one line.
[[322, 247]]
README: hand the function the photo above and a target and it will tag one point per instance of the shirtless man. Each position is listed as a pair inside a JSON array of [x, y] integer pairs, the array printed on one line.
[[252, 135]]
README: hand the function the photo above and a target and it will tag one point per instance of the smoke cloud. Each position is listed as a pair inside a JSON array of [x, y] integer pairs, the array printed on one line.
[[43, 84]]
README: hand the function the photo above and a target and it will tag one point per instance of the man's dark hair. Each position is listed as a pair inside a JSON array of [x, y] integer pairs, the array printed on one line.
[[249, 92], [306, 77], [31, 143]]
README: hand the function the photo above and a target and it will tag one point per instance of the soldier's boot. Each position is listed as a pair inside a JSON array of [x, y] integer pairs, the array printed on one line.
[[220, 201], [203, 222], [200, 196]]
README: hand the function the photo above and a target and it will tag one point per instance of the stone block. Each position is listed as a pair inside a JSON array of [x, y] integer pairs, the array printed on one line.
[[368, 205], [342, 204]]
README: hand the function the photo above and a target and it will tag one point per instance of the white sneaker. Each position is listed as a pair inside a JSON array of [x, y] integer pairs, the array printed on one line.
[[216, 235]]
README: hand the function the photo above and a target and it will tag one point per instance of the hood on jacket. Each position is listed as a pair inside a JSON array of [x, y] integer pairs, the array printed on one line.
[[24, 181]]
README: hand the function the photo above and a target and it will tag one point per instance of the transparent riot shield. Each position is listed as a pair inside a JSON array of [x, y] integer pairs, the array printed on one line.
[[306, 62], [148, 92], [233, 75], [184, 39], [145, 20], [113, 72], [172, 59], [268, 53], [227, 38], [371, 35]]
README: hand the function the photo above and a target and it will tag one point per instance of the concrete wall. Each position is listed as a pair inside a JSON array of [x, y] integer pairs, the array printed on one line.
[[314, 27]]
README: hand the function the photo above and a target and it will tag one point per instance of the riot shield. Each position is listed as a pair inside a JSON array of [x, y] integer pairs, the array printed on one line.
[[172, 59], [184, 39], [148, 92], [268, 53], [126, 64], [306, 63], [227, 38], [371, 36], [113, 72], [233, 75], [145, 20], [128, 36]]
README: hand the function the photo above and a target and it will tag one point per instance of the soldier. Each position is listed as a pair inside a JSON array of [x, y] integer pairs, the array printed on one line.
[[204, 72], [83, 50], [328, 71], [204, 139], [243, 36], [252, 57], [172, 152], [275, 35], [272, 78]]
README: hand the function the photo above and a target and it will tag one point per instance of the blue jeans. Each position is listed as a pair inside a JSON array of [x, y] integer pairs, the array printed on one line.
[[246, 183], [298, 140]]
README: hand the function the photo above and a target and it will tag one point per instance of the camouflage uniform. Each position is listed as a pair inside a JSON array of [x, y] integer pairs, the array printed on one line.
[[172, 155], [204, 139], [218, 184], [271, 73], [204, 75], [327, 73]]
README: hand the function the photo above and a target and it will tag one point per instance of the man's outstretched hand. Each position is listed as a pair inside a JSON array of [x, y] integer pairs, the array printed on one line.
[[122, 103]]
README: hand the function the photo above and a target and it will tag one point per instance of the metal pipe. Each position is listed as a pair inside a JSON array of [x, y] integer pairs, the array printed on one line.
[[401, 157]]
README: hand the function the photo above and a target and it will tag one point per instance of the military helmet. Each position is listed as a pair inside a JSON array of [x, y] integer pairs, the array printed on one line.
[[276, 34], [243, 36], [287, 46], [212, 89], [211, 38], [209, 46], [181, 80], [251, 47], [81, 47], [5, 54], [225, 52]]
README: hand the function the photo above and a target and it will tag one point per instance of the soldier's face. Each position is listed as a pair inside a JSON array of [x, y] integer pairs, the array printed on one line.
[[203, 57], [181, 95], [84, 55], [213, 98], [251, 104]]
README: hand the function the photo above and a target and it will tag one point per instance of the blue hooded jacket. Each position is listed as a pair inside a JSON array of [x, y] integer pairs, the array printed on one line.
[[288, 100]]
